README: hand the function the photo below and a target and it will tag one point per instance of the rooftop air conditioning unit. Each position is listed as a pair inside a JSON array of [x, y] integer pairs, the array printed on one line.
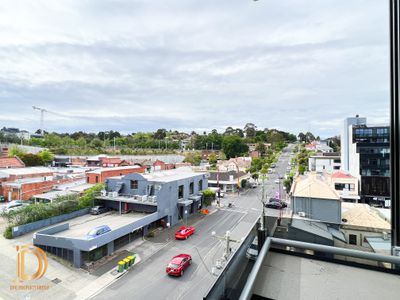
[[302, 214], [113, 194]]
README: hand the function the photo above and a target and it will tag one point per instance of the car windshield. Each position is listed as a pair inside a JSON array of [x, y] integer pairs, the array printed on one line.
[[173, 266]]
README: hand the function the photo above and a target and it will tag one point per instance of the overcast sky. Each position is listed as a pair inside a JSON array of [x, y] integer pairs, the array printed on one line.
[[132, 66]]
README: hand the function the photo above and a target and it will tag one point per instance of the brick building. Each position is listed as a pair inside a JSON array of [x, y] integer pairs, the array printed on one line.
[[100, 175], [159, 165]]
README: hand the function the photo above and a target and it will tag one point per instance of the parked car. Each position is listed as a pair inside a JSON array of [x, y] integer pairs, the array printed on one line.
[[179, 264], [14, 205], [273, 166], [97, 231], [281, 177], [97, 210], [277, 181], [184, 232], [276, 200], [252, 251], [274, 205]]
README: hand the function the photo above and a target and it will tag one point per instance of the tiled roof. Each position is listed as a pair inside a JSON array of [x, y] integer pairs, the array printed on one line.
[[341, 174], [110, 160], [11, 162]]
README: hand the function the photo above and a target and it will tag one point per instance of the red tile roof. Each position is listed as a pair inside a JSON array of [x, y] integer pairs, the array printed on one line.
[[11, 162], [341, 174], [110, 160]]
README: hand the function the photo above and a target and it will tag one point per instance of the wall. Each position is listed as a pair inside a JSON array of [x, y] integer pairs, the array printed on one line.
[[324, 210], [166, 192], [23, 229], [91, 176]]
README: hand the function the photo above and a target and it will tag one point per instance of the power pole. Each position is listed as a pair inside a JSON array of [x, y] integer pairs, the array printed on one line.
[[227, 239]]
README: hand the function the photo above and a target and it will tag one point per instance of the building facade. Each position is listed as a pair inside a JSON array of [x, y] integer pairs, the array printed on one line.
[[100, 175], [326, 162]]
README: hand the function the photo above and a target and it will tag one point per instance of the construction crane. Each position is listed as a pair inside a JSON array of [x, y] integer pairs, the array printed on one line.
[[42, 111]]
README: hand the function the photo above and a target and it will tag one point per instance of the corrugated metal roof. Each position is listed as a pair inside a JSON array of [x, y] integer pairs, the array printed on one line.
[[316, 228]]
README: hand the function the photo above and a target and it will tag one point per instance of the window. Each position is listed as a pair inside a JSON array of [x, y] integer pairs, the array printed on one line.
[[134, 185], [180, 192], [191, 188], [200, 185], [352, 239], [97, 179]]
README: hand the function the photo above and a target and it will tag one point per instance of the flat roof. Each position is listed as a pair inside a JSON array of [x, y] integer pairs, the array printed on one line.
[[101, 170], [111, 219], [288, 277], [25, 171], [172, 175], [53, 194]]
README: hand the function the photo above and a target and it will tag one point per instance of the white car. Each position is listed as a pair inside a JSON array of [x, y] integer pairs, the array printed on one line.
[[11, 207], [277, 181]]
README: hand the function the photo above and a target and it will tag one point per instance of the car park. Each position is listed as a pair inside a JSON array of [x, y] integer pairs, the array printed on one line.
[[252, 251], [97, 210], [179, 264], [97, 231], [184, 232]]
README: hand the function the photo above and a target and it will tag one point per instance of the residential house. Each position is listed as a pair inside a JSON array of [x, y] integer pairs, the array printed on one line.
[[313, 197], [324, 162], [234, 164], [11, 162]]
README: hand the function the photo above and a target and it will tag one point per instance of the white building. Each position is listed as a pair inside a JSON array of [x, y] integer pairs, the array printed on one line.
[[324, 163], [349, 160]]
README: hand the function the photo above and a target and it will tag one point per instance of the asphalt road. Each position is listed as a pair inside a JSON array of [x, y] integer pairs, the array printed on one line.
[[149, 280]]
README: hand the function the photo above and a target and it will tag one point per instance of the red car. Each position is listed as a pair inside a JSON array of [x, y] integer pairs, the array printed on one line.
[[179, 264], [184, 232]]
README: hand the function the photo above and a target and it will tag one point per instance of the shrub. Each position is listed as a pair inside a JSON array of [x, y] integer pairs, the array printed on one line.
[[8, 232], [209, 196]]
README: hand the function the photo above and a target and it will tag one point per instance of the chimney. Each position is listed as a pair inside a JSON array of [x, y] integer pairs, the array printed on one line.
[[4, 152]]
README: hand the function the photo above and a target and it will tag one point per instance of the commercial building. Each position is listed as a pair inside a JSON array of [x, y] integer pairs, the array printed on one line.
[[100, 175], [366, 155], [139, 202], [227, 181]]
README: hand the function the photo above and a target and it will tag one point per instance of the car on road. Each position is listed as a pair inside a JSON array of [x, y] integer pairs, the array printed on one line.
[[184, 232], [277, 181], [276, 200], [179, 264], [97, 210], [281, 177], [252, 251], [274, 205], [273, 166], [97, 231]]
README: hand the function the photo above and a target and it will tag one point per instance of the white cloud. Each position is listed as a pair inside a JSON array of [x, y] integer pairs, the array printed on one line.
[[138, 65]]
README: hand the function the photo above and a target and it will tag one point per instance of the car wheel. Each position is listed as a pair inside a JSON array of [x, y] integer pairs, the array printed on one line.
[[182, 273]]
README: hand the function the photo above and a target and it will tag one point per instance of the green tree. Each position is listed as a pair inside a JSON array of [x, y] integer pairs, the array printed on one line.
[[260, 147], [16, 151], [233, 145], [32, 160], [46, 156]]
